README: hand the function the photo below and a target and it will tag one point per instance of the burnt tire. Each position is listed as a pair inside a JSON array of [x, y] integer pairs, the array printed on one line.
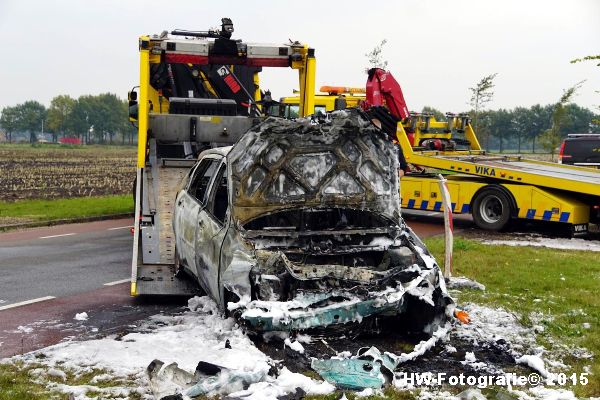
[[492, 208]]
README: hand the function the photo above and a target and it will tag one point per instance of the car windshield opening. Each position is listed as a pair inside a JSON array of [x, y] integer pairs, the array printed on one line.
[[318, 220]]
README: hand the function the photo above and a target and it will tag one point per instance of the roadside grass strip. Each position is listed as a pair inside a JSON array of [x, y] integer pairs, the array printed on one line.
[[73, 208], [554, 292]]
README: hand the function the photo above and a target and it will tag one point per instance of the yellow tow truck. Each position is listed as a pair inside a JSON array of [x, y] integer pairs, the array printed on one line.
[[197, 90], [495, 188], [330, 98]]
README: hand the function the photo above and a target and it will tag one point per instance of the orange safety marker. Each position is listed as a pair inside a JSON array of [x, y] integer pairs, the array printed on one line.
[[341, 89], [462, 316]]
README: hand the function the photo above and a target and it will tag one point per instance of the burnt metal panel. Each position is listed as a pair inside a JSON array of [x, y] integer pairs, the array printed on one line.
[[345, 162], [175, 128]]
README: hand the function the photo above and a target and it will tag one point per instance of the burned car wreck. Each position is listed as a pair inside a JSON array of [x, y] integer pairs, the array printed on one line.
[[298, 227]]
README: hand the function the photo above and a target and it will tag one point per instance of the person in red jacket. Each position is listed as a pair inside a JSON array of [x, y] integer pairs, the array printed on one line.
[[403, 165]]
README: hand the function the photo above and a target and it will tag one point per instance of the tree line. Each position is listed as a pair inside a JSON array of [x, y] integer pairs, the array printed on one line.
[[521, 128], [104, 118], [99, 118], [524, 128]]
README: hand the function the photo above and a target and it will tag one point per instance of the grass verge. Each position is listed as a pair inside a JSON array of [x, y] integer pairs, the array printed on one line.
[[31, 381], [555, 290], [48, 210], [16, 382]]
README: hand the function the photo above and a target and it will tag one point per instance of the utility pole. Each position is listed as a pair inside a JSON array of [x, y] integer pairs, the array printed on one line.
[[89, 134]]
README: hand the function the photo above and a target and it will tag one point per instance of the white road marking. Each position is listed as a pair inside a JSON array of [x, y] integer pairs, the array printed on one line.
[[431, 214], [24, 303], [53, 236], [120, 227], [117, 282]]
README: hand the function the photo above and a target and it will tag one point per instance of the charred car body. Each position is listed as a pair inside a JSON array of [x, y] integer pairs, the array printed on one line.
[[297, 226]]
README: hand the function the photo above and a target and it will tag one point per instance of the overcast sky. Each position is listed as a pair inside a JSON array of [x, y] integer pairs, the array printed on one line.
[[436, 49]]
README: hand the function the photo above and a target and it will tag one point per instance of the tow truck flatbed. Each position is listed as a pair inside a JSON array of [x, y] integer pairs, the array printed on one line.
[[516, 169], [496, 188]]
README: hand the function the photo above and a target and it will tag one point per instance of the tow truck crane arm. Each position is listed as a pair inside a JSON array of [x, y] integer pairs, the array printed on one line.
[[383, 89], [385, 102]]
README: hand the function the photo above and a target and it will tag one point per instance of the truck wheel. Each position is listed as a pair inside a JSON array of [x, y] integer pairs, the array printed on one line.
[[492, 209]]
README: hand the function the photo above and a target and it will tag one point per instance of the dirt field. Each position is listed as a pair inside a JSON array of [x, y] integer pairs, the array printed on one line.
[[51, 171]]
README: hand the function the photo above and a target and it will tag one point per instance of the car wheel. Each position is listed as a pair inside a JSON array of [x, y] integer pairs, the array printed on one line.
[[492, 209]]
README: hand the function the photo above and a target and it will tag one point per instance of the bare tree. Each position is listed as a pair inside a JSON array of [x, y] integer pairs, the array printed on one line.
[[551, 138], [481, 94], [587, 58], [375, 57], [595, 121]]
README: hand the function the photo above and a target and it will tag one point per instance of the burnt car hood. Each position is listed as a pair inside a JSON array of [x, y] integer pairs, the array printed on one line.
[[344, 163]]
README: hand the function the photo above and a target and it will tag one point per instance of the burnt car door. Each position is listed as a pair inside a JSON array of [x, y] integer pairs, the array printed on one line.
[[212, 226], [189, 203]]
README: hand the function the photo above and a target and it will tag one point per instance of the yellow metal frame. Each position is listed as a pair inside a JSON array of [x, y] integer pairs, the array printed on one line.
[[151, 101], [324, 100], [307, 68], [257, 89], [143, 104], [446, 160], [440, 131]]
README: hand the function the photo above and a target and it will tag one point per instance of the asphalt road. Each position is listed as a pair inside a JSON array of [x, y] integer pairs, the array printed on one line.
[[48, 275], [62, 261], [427, 223]]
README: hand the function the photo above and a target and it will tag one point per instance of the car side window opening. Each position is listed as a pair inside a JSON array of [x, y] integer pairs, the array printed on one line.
[[218, 199], [201, 179]]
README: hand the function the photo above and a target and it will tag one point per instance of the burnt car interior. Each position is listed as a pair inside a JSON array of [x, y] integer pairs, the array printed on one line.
[[201, 179], [324, 236], [218, 204], [318, 220]]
